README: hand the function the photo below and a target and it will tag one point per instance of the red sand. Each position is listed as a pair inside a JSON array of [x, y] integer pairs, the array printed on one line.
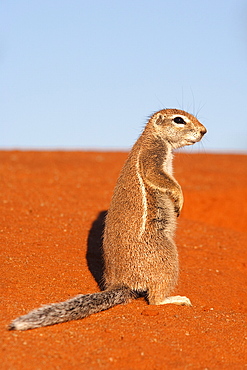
[[49, 202]]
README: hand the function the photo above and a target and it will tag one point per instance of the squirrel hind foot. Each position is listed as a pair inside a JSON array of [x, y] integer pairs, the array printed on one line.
[[178, 300]]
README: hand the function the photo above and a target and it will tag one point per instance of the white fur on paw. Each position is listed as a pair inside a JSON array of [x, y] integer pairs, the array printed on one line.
[[178, 299]]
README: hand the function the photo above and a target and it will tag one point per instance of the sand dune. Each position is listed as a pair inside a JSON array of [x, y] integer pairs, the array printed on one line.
[[50, 238]]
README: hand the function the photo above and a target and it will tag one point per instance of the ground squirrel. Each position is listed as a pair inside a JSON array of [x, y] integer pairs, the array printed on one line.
[[140, 256]]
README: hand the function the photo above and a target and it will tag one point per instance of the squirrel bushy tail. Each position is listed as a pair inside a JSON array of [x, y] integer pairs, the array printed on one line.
[[73, 309]]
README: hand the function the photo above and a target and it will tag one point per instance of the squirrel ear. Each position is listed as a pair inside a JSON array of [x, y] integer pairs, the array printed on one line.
[[159, 119]]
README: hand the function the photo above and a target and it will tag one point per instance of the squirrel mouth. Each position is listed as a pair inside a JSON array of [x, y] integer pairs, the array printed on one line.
[[194, 140], [191, 141]]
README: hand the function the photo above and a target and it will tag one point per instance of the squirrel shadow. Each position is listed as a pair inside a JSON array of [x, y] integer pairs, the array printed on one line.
[[94, 255]]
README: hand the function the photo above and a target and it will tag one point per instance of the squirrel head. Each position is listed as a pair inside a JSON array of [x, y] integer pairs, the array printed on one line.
[[177, 127]]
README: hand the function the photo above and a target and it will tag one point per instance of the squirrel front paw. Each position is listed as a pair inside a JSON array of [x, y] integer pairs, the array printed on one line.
[[177, 210], [178, 204]]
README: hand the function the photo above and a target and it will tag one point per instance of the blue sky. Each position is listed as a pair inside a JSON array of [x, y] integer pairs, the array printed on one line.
[[80, 74]]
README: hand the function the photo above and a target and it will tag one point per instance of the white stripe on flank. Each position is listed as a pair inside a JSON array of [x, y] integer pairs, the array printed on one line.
[[144, 199]]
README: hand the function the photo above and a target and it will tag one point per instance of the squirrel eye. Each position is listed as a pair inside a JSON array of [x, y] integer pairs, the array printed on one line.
[[179, 120]]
